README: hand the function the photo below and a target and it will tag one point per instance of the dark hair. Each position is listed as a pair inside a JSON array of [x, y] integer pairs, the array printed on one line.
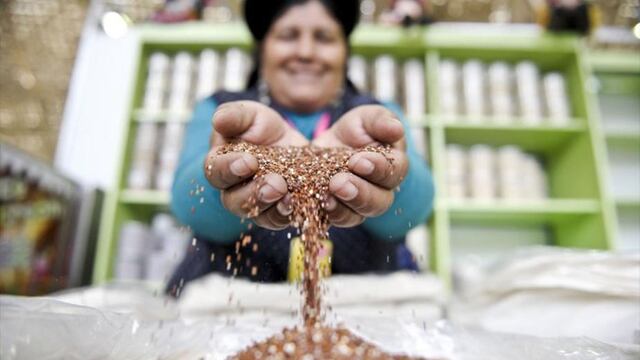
[[261, 14]]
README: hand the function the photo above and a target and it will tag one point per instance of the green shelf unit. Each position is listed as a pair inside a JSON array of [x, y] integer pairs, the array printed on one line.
[[580, 212], [616, 94], [123, 204]]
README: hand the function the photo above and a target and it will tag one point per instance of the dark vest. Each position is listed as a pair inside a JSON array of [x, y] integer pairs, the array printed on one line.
[[355, 250]]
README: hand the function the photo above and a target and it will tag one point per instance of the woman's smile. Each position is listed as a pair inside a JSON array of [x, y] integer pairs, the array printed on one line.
[[304, 74]]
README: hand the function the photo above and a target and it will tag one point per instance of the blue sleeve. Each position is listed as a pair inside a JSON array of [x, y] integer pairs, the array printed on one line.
[[193, 200], [413, 203]]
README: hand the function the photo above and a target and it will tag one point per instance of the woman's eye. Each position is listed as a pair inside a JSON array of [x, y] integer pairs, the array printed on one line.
[[287, 35], [324, 36]]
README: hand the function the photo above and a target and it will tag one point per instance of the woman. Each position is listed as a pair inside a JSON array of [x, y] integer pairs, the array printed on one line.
[[298, 95]]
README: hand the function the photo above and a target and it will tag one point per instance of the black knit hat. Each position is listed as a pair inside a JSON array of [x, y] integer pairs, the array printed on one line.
[[260, 14]]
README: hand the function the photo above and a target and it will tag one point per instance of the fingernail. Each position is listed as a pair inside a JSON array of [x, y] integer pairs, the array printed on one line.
[[347, 191], [363, 167], [284, 205], [221, 110], [283, 209], [331, 204], [268, 194], [217, 115], [240, 168]]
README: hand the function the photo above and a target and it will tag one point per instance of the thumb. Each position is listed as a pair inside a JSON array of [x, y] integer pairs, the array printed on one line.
[[367, 125], [254, 123]]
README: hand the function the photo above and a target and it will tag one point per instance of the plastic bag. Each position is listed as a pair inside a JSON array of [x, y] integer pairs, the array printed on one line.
[[553, 292], [43, 328]]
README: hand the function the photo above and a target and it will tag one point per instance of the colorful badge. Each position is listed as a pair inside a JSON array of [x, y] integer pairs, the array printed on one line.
[[296, 259]]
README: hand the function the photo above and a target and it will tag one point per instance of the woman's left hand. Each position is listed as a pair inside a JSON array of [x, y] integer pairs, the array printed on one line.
[[366, 191]]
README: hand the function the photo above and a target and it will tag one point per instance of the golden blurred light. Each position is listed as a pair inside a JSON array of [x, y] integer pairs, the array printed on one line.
[[636, 31], [114, 24]]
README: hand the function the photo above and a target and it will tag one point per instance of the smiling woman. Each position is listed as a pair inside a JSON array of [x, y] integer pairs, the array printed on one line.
[[298, 95]]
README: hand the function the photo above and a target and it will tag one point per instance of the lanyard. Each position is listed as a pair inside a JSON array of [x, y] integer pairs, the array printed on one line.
[[321, 126]]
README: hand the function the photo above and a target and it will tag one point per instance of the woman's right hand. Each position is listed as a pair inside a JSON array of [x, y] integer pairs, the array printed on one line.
[[257, 124]]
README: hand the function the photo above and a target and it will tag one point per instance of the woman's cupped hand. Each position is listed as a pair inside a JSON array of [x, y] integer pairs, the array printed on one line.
[[368, 189], [257, 124]]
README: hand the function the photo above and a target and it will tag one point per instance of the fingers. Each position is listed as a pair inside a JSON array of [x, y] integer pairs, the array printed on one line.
[[235, 118], [384, 171], [382, 125], [226, 170], [272, 200], [272, 188], [365, 125], [359, 195], [340, 215], [254, 123], [274, 218]]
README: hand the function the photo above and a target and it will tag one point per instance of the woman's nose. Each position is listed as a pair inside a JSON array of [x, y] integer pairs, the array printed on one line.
[[305, 47]]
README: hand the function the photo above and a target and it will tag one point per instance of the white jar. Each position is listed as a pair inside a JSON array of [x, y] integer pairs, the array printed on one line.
[[208, 69], [556, 99], [448, 75], [528, 85], [482, 182], [384, 87], [500, 78], [473, 88], [357, 72]]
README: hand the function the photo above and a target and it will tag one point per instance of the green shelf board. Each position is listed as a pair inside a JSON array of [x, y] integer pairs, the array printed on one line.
[[144, 197], [522, 211], [509, 123], [628, 204], [614, 61], [617, 84], [511, 38], [366, 35], [544, 139], [194, 33], [237, 34], [414, 39], [629, 137]]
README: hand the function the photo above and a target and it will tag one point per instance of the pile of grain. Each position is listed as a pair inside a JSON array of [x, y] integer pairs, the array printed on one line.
[[317, 343]]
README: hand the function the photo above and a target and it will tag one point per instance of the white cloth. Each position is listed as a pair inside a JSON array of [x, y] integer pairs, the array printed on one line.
[[404, 295]]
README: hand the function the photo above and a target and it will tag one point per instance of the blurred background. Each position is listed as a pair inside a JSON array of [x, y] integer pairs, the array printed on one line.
[[527, 112]]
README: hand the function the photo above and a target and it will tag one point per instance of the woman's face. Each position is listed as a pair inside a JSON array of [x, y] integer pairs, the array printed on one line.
[[304, 58]]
